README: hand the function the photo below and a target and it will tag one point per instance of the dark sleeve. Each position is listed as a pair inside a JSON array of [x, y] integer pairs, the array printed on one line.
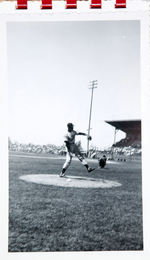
[[67, 144], [80, 133]]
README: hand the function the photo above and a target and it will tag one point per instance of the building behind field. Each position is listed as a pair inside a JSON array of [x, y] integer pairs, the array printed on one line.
[[130, 146], [132, 129]]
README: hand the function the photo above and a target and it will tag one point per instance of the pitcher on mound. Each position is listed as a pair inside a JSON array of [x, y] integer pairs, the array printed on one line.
[[72, 148]]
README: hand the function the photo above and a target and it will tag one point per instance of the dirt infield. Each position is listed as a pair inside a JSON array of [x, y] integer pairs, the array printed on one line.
[[71, 181]]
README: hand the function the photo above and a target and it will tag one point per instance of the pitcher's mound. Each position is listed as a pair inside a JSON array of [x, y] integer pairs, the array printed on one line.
[[69, 181]]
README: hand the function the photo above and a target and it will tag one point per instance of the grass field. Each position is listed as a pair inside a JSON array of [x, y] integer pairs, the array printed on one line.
[[50, 218]]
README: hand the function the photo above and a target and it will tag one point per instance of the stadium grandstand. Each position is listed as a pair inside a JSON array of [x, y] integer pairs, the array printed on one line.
[[132, 129], [128, 147]]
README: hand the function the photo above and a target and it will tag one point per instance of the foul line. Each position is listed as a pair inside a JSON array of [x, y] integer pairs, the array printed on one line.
[[35, 157], [57, 158]]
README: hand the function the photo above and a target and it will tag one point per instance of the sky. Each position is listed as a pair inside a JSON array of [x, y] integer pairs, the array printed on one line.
[[50, 66]]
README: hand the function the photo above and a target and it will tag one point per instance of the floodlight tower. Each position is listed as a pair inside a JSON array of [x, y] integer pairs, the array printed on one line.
[[93, 85]]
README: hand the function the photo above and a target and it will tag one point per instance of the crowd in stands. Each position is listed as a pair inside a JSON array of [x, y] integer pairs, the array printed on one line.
[[129, 141], [94, 152], [32, 148], [116, 152]]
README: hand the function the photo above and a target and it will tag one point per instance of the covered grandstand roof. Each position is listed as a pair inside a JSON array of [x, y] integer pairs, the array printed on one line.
[[124, 125]]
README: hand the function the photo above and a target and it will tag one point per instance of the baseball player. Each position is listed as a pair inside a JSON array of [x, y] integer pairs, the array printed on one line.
[[102, 161], [72, 148]]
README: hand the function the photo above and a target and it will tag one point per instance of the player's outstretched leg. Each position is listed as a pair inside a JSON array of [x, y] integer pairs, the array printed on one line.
[[62, 174], [66, 165], [84, 162]]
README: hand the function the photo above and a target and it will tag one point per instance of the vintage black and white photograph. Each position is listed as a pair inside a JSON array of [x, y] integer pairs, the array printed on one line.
[[75, 175]]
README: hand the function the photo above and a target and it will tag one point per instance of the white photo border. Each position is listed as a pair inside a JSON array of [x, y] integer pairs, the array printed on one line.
[[143, 17]]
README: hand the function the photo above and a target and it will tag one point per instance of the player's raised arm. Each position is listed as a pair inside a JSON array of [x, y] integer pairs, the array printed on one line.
[[80, 133], [88, 136]]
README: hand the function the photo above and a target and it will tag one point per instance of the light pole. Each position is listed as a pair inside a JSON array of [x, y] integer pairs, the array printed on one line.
[[94, 84], [112, 149]]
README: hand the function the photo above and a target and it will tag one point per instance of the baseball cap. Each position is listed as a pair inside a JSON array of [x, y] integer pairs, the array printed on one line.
[[70, 124]]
